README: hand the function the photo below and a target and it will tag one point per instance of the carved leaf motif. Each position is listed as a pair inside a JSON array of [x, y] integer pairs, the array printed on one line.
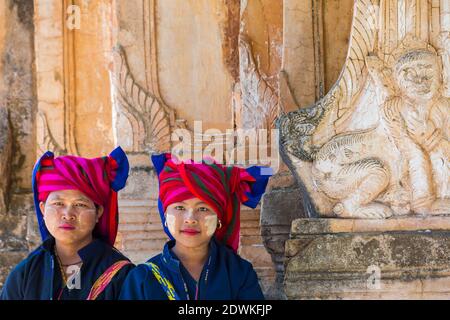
[[259, 100], [362, 42], [46, 140], [339, 99], [151, 119]]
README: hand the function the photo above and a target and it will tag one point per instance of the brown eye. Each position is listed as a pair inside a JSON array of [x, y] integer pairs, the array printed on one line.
[[57, 204], [203, 209], [179, 208]]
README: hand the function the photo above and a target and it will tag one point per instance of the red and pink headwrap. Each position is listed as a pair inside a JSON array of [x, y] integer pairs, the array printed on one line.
[[99, 179], [221, 187]]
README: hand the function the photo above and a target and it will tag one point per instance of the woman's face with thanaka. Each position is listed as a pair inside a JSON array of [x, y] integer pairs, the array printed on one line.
[[192, 222], [70, 216]]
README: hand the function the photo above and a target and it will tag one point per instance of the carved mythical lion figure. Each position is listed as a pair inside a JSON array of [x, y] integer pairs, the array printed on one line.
[[357, 169], [418, 118]]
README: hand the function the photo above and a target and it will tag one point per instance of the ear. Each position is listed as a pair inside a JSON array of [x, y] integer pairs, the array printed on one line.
[[42, 207], [100, 211]]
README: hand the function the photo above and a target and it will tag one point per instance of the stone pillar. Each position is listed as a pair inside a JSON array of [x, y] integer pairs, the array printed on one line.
[[5, 158], [281, 205], [74, 102], [17, 139]]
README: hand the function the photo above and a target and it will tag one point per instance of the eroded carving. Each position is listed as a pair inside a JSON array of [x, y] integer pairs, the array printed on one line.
[[259, 100], [151, 119], [377, 144], [418, 119], [46, 140]]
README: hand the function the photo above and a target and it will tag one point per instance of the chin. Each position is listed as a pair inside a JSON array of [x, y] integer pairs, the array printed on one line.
[[65, 240], [69, 239], [192, 243]]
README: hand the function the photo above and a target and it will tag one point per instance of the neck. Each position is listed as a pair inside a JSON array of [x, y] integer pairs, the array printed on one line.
[[68, 252], [191, 256]]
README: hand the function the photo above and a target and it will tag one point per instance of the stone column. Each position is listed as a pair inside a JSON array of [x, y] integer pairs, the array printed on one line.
[[17, 139], [73, 45]]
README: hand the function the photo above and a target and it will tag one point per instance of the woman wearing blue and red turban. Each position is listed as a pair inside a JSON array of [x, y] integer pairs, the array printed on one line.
[[199, 204], [76, 207]]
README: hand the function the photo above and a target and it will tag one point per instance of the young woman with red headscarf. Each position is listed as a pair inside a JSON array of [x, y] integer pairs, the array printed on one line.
[[199, 205], [76, 207]]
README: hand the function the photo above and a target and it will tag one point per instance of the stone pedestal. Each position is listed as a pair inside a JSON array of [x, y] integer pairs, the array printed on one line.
[[279, 208], [401, 258]]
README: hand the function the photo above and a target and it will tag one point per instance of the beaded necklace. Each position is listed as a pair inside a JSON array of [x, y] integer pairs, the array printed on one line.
[[61, 269], [197, 284], [63, 273]]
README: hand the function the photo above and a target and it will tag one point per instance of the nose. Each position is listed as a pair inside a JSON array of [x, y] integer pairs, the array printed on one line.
[[189, 217], [68, 213], [421, 80]]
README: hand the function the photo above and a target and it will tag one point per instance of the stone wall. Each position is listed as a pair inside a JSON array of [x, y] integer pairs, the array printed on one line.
[[83, 88], [17, 139]]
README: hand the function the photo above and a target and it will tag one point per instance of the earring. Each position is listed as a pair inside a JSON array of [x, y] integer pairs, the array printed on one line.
[[165, 223], [219, 224]]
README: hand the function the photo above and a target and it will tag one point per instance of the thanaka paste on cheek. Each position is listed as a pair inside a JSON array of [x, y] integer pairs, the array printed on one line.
[[170, 218], [49, 212], [211, 224]]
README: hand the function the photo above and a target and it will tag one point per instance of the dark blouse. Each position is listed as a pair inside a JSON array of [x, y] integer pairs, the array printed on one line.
[[38, 277], [225, 276]]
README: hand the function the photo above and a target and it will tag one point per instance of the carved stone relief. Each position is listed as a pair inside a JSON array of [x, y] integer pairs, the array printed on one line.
[[55, 71], [377, 144], [152, 121], [259, 100], [45, 137]]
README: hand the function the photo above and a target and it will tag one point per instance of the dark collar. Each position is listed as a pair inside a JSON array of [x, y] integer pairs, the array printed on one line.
[[92, 250], [171, 260]]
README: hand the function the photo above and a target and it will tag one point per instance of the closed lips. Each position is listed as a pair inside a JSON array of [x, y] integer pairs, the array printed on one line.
[[190, 231], [66, 226]]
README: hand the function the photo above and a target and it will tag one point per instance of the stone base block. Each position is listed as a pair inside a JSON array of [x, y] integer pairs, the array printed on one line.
[[400, 258]]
